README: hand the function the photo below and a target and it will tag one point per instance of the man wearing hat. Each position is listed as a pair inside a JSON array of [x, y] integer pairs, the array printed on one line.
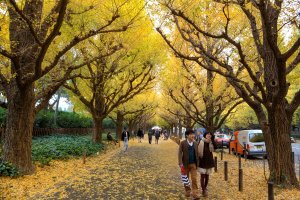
[[188, 159]]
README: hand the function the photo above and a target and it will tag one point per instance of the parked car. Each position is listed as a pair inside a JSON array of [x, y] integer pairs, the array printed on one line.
[[248, 142], [219, 137]]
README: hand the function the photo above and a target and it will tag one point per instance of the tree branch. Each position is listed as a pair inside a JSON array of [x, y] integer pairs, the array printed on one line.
[[46, 44], [292, 107], [6, 53], [28, 21], [78, 39], [292, 50]]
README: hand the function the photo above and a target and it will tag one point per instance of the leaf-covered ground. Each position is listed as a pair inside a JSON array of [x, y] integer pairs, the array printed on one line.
[[143, 172]]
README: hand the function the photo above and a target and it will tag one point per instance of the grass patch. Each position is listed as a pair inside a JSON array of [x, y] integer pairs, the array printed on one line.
[[62, 147]]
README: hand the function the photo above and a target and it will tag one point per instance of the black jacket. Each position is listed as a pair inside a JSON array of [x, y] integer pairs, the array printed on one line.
[[123, 135]]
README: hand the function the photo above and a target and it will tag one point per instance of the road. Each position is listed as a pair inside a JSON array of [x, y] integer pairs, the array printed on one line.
[[296, 150]]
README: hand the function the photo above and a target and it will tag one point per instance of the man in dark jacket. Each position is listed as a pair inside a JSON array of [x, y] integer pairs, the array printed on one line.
[[140, 135], [188, 159]]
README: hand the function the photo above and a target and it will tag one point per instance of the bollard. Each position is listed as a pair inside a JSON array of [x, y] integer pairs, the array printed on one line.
[[240, 179], [240, 162], [216, 164], [236, 149], [226, 171], [222, 150], [270, 191], [245, 151]]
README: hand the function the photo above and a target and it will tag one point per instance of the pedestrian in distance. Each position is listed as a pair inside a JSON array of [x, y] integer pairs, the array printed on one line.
[[157, 135], [206, 160], [125, 138], [111, 139], [188, 162], [140, 135], [150, 136]]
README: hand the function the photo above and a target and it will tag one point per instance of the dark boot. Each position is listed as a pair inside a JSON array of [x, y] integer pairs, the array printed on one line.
[[206, 179], [202, 182]]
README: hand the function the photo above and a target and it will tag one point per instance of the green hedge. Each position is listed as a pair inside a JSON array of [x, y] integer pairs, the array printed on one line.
[[295, 136], [45, 119]]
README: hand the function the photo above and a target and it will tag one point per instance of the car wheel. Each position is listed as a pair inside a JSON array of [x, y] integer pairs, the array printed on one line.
[[233, 151]]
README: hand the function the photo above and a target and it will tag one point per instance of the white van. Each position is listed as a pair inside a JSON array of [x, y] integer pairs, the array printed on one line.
[[252, 140]]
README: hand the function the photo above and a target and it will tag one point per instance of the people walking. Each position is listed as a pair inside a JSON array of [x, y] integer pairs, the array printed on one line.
[[111, 139], [188, 162], [150, 136], [125, 138], [140, 135], [157, 135], [206, 160]]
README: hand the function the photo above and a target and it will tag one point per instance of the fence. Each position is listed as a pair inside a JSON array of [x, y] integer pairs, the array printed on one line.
[[52, 131]]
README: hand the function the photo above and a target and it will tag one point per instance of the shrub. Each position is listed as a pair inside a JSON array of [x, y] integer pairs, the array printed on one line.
[[44, 119], [2, 117], [73, 120], [108, 124], [47, 148], [7, 169]]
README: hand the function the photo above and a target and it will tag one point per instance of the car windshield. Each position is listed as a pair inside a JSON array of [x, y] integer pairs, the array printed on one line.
[[256, 137], [222, 136]]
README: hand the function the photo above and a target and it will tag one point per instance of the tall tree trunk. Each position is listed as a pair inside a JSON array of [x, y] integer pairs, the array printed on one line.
[[120, 119], [17, 139], [209, 103], [188, 120], [98, 129], [56, 108], [180, 128], [278, 143], [131, 126]]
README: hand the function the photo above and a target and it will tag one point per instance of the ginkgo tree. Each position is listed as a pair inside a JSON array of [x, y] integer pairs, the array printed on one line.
[[257, 61], [113, 80], [243, 117], [37, 56], [209, 97], [171, 78], [135, 113]]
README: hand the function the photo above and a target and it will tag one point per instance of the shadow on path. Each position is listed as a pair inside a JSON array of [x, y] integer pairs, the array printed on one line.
[[143, 172]]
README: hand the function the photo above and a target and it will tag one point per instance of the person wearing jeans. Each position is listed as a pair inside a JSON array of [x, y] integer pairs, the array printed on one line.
[[125, 138], [188, 159]]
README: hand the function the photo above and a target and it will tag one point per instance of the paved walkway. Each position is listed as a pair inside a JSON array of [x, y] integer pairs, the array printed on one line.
[[143, 172]]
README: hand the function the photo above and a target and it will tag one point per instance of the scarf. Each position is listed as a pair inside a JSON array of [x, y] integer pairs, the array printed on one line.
[[201, 147]]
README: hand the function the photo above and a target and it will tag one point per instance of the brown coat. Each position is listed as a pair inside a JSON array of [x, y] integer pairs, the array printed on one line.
[[183, 153]]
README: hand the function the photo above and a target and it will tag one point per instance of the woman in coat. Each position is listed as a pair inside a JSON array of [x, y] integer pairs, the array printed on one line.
[[206, 160]]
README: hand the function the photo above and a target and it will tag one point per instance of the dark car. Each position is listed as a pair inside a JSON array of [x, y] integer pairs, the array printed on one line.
[[219, 137]]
